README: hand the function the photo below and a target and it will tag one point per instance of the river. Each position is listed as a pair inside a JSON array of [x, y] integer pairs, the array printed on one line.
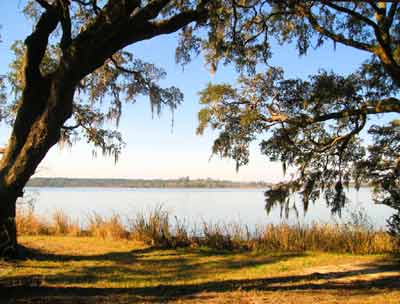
[[196, 205]]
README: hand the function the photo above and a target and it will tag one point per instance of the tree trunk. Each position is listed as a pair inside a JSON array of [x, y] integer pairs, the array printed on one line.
[[37, 127], [16, 170], [8, 231]]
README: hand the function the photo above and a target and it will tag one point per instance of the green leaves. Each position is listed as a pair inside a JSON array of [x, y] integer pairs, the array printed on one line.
[[310, 125], [213, 94], [204, 117]]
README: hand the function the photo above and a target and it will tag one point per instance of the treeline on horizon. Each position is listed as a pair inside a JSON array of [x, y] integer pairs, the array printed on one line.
[[185, 182]]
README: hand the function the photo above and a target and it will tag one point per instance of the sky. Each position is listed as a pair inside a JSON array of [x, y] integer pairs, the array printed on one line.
[[154, 149]]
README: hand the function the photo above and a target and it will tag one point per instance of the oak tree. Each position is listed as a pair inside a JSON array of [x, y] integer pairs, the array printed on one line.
[[317, 125], [70, 77]]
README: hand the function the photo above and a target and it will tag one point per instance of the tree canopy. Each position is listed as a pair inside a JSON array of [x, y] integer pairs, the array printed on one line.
[[319, 125]]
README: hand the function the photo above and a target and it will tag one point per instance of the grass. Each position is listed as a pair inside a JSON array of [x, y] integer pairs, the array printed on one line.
[[155, 228], [68, 269]]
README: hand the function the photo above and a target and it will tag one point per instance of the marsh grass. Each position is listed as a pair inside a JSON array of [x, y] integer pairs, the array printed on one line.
[[159, 229], [103, 227]]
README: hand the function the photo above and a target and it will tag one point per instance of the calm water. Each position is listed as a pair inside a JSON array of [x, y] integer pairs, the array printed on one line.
[[194, 205]]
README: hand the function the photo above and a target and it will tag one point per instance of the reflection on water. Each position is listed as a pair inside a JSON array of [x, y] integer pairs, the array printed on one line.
[[195, 205]]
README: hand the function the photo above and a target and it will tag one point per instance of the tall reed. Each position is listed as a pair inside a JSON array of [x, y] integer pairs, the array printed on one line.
[[159, 229]]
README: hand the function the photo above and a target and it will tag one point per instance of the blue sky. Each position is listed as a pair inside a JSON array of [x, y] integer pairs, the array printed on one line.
[[152, 150]]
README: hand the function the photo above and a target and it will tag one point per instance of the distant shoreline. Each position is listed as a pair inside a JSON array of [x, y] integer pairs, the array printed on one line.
[[180, 183], [59, 182]]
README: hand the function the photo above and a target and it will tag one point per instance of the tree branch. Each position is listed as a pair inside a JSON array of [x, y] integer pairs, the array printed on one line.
[[350, 12], [71, 128], [151, 10], [44, 4], [116, 10], [176, 22], [391, 14], [37, 42], [335, 37], [92, 3], [65, 24], [389, 105], [136, 74], [342, 138]]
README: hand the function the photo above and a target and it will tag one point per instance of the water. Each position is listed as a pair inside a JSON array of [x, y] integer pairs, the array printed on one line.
[[193, 205]]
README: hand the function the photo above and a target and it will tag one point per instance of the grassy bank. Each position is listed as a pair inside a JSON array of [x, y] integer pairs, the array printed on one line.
[[91, 270], [158, 228]]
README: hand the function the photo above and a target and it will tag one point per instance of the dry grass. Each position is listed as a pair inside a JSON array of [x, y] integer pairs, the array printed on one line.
[[90, 270], [106, 228], [156, 229]]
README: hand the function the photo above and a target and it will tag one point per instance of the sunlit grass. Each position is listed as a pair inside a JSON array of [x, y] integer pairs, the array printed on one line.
[[88, 269]]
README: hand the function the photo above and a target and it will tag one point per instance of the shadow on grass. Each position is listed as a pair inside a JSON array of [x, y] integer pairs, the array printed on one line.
[[162, 292], [141, 266], [38, 255], [168, 272]]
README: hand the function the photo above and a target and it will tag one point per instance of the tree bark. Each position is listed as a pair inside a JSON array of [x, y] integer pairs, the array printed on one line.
[[8, 231], [36, 130]]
